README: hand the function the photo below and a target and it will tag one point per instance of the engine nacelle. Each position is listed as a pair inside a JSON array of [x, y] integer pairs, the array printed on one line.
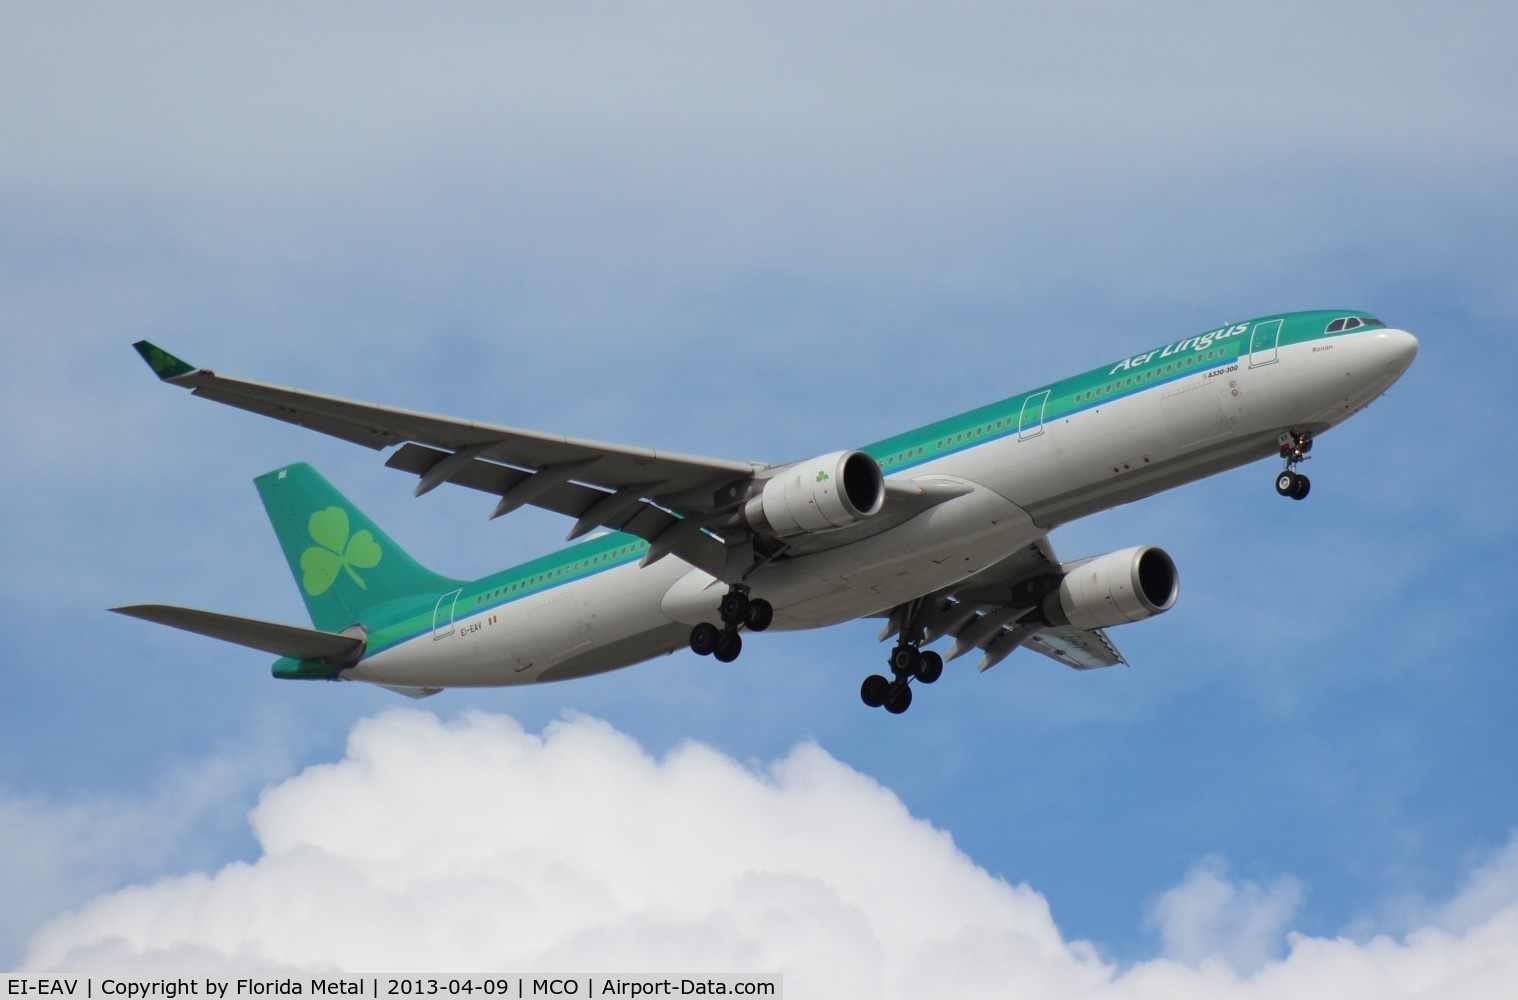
[[1115, 589], [830, 491]]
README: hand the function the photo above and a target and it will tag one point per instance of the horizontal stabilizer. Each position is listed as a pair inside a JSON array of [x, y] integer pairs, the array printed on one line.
[[281, 640]]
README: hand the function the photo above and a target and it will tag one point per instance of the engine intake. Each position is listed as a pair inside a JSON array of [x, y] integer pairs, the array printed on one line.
[[1115, 589], [830, 491]]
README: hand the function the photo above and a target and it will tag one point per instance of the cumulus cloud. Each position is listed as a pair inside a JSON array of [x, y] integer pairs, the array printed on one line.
[[473, 845], [62, 852], [1208, 917]]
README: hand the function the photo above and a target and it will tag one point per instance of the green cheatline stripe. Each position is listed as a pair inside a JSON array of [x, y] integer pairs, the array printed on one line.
[[1002, 418], [545, 573], [394, 623]]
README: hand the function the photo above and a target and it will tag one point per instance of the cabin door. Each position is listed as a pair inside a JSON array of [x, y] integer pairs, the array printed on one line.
[[1031, 422], [442, 614], [1262, 343]]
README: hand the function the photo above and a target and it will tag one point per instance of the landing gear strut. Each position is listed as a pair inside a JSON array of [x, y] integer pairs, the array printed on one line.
[[908, 662], [738, 610], [1294, 449]]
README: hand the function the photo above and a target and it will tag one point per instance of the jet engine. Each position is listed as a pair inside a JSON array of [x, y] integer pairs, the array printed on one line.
[[831, 491], [1115, 589]]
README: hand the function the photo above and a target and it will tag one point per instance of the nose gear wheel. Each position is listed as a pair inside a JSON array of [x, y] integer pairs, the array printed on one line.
[[1294, 449], [1293, 484]]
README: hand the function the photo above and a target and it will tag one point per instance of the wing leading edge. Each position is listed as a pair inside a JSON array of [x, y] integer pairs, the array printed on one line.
[[646, 493], [682, 505]]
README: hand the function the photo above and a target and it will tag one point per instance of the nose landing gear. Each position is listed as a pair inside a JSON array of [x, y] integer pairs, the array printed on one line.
[[1294, 449], [738, 610]]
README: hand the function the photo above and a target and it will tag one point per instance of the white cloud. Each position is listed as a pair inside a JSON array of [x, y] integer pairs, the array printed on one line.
[[56, 852], [473, 845], [1208, 917]]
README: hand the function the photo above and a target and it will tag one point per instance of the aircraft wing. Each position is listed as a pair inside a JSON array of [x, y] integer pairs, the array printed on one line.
[[993, 611], [682, 505], [662, 497]]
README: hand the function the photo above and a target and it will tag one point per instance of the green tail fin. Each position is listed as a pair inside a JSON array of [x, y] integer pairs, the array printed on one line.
[[343, 563]]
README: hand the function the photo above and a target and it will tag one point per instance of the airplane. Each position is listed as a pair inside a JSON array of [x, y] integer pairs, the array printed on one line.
[[942, 531]]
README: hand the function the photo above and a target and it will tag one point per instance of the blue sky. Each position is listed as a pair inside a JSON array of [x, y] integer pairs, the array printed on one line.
[[769, 232]]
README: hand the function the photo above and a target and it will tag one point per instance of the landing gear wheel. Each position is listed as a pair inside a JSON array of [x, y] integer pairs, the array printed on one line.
[[912, 623], [904, 660], [728, 647], [734, 607], [1294, 449], [704, 639], [929, 666], [760, 614]]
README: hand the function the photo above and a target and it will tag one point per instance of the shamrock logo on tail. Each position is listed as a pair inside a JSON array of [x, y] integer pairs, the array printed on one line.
[[160, 361], [335, 550]]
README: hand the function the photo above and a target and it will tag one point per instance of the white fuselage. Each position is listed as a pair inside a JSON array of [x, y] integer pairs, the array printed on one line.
[[1022, 484]]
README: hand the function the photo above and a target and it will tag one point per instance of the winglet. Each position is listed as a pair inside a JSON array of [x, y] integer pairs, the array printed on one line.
[[164, 364]]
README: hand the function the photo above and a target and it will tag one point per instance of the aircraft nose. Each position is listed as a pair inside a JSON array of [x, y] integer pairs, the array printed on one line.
[[1398, 348]]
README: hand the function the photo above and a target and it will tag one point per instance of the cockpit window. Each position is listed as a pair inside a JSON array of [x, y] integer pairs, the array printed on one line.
[[1352, 323]]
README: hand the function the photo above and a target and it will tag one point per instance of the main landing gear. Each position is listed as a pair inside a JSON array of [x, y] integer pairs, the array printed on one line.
[[908, 663], [1294, 449], [738, 610]]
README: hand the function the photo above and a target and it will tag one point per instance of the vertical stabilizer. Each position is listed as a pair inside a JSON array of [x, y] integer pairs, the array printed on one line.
[[342, 562]]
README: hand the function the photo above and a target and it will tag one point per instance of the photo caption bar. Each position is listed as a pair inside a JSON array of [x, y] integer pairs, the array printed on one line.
[[389, 987]]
